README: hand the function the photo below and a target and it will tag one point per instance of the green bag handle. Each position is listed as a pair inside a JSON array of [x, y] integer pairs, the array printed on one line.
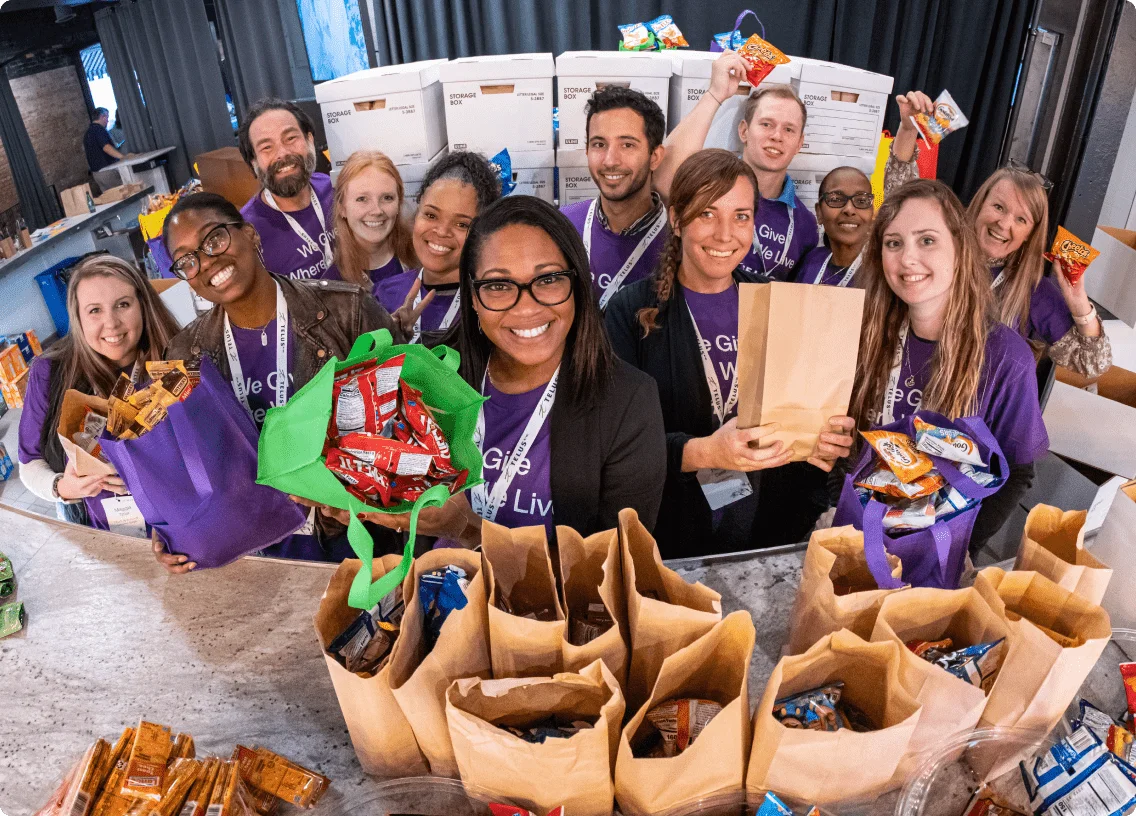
[[369, 344], [364, 594]]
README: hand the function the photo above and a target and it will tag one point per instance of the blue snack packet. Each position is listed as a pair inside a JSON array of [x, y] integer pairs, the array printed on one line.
[[977, 665], [1079, 776], [1094, 719], [440, 592], [816, 710], [773, 806], [502, 165], [6, 466], [729, 40]]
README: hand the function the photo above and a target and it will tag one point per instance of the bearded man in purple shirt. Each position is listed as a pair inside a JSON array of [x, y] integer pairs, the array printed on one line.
[[293, 212]]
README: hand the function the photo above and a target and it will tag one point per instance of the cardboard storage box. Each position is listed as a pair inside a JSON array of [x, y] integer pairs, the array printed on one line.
[[809, 169], [1111, 279], [579, 74], [846, 108], [412, 177], [575, 180], [496, 102], [1096, 429], [225, 173], [396, 109], [123, 191], [533, 172]]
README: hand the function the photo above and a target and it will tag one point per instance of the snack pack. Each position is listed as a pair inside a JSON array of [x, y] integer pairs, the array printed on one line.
[[729, 40], [947, 119], [7, 577], [1071, 255], [364, 646], [816, 710], [546, 730], [502, 167], [760, 58], [946, 443], [772, 805], [636, 37], [440, 592], [917, 514], [977, 665], [135, 411], [582, 630], [1079, 776], [897, 451], [883, 480], [146, 768], [667, 33], [679, 723]]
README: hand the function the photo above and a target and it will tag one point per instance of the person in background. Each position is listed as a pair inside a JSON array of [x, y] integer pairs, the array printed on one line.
[[457, 187], [1010, 218], [98, 144], [624, 228], [928, 302], [117, 324], [293, 212], [725, 490], [570, 433], [267, 334], [373, 241], [772, 131], [845, 210]]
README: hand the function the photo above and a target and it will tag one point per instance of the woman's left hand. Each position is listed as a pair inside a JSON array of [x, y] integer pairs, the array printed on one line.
[[834, 443]]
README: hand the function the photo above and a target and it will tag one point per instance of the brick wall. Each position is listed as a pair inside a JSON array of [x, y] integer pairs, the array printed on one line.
[[8, 196], [54, 111]]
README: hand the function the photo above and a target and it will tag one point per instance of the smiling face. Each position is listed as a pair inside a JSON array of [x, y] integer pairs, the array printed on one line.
[[773, 135], [619, 157], [371, 206], [530, 333], [847, 225], [441, 224], [226, 277], [110, 317], [919, 255], [714, 243], [285, 157], [1004, 221]]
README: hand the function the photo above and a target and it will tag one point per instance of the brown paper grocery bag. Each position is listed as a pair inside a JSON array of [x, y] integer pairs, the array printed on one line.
[[71, 414], [714, 667], [1040, 676], [575, 772], [797, 347], [664, 612], [845, 765], [1053, 544], [837, 590], [419, 680], [591, 573], [380, 734], [950, 705]]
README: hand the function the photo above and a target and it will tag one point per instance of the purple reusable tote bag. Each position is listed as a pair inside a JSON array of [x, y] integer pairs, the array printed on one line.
[[194, 478]]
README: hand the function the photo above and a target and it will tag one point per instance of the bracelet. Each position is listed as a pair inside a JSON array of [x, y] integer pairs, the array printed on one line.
[[1087, 318], [716, 99]]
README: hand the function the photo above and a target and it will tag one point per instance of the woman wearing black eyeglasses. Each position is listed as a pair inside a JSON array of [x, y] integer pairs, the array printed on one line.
[[267, 334], [570, 434], [845, 210]]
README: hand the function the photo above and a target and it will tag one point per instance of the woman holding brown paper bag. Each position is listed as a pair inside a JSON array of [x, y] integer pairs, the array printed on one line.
[[930, 338], [681, 327]]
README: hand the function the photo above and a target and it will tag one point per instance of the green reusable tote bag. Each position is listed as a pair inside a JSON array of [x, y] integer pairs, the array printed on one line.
[[291, 446]]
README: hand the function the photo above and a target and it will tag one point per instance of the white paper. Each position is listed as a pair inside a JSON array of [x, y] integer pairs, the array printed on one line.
[[1113, 546], [1101, 504], [723, 487], [124, 517]]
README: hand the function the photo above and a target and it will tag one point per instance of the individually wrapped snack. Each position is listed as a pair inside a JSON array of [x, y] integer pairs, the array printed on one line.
[[350, 643], [286, 780], [422, 424], [815, 710], [930, 649], [681, 721], [985, 803], [440, 591], [636, 37], [1080, 777], [1094, 719], [667, 33], [771, 805], [366, 482], [201, 791], [1128, 676], [949, 500], [947, 119], [87, 779], [546, 730], [183, 773], [946, 443], [11, 618], [390, 455], [898, 452], [146, 768], [184, 747], [224, 790], [980, 476], [914, 514], [262, 802], [1071, 255], [883, 480], [583, 629], [760, 58], [729, 40], [7, 577], [502, 167], [977, 665]]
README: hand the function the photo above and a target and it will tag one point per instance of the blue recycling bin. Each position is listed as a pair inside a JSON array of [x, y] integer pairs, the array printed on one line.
[[53, 285]]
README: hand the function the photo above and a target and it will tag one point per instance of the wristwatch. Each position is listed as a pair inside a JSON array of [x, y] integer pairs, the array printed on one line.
[[55, 487], [1087, 318]]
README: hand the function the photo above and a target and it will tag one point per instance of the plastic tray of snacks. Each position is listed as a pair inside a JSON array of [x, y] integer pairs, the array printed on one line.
[[737, 804], [420, 796], [947, 780], [1103, 688]]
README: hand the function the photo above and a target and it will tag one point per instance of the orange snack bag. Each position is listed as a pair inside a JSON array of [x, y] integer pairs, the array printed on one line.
[[146, 768], [898, 452], [1071, 255], [760, 58]]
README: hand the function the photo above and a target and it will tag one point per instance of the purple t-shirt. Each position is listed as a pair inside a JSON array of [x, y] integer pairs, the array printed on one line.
[[1049, 315], [393, 291], [529, 500], [388, 270], [285, 252], [716, 317], [1007, 392], [814, 261], [770, 228], [257, 353], [32, 418], [611, 250]]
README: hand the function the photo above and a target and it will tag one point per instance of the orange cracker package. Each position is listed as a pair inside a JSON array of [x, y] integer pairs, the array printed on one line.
[[898, 453], [293, 783], [146, 768], [1071, 255], [760, 58]]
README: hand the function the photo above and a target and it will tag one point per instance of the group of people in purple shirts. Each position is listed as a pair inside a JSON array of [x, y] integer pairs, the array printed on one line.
[[604, 335]]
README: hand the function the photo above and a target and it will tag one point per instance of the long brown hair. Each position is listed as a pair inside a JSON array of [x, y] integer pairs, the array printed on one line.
[[1024, 267], [701, 180], [84, 368], [956, 366], [350, 256]]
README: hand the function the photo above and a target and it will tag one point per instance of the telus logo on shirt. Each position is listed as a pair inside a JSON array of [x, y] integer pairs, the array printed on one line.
[[256, 387]]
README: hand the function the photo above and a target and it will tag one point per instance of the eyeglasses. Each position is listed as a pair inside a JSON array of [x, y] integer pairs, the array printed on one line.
[[1020, 167], [215, 242], [861, 201], [502, 294]]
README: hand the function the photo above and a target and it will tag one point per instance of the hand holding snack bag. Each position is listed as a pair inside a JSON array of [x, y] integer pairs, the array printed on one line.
[[760, 58], [1071, 255], [947, 118]]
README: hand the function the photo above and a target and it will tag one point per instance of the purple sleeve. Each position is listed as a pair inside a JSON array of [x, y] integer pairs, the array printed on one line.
[[392, 292], [1012, 411], [35, 410], [1049, 316], [811, 232]]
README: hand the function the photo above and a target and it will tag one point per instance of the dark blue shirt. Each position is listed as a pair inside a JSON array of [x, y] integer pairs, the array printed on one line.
[[95, 139]]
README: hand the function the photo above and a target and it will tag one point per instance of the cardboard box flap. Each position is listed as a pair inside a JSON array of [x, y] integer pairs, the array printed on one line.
[[1096, 429], [75, 405], [612, 64], [845, 76], [499, 67], [1126, 237], [411, 76]]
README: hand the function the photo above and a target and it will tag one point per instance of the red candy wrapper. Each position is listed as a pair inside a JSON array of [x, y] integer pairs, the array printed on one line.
[[425, 429], [1128, 675], [391, 455], [366, 482], [760, 58], [365, 396]]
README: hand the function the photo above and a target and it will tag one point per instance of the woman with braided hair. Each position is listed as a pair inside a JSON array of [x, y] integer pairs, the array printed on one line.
[[727, 489]]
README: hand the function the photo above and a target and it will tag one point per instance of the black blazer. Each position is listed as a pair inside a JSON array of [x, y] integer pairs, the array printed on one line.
[[670, 355]]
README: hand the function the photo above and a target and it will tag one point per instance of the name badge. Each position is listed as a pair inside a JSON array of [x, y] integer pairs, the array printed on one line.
[[723, 487], [309, 527], [124, 517]]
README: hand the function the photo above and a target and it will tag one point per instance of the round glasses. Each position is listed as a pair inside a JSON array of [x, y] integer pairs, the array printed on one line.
[[216, 241], [502, 294], [861, 201]]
